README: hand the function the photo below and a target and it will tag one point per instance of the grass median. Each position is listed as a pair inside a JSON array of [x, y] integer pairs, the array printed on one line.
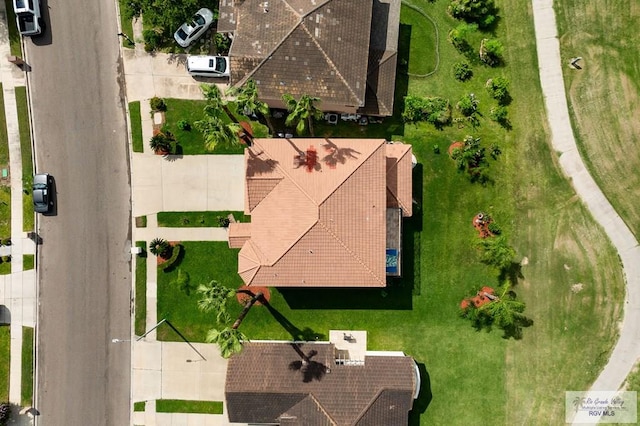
[[24, 128]]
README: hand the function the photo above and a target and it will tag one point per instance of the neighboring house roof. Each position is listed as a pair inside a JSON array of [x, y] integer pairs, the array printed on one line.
[[320, 223], [267, 383], [331, 49]]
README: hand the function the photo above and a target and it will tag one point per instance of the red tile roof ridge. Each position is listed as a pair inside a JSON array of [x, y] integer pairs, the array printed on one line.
[[355, 256], [401, 158]]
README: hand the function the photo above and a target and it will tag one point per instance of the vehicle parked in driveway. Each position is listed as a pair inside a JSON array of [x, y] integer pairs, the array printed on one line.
[[28, 16], [208, 66], [42, 196], [195, 28]]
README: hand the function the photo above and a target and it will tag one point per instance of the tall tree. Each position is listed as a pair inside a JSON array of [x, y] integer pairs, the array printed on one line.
[[215, 131], [497, 252], [248, 101], [302, 112], [214, 297], [215, 102]]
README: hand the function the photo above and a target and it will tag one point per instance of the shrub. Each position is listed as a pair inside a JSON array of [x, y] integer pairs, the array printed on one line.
[[163, 143], [434, 110], [436, 149], [160, 247], [184, 125], [462, 71], [6, 241], [494, 228], [173, 260], [152, 39], [491, 52], [458, 36], [6, 259], [5, 413], [157, 104], [468, 105], [499, 115], [498, 89], [223, 221], [223, 43], [482, 12]]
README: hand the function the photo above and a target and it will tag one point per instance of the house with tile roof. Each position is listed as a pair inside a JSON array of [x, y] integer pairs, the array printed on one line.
[[341, 51], [324, 212], [335, 383]]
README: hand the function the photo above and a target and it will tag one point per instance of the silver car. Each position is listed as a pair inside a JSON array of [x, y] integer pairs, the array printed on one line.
[[195, 28], [42, 200]]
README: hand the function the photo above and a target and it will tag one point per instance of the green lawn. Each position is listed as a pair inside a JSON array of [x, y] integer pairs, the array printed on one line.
[[141, 290], [4, 141], [139, 406], [5, 211], [136, 126], [5, 358], [183, 406], [198, 219], [570, 275], [126, 23], [191, 140], [14, 36], [27, 161], [604, 114], [633, 382], [28, 261], [26, 389]]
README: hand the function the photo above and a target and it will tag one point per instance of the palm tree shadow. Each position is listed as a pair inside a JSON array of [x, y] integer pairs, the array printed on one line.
[[258, 164], [305, 334], [514, 331], [310, 369], [337, 155]]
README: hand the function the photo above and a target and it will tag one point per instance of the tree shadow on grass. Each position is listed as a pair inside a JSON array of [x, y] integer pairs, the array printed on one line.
[[425, 396], [306, 334], [512, 273]]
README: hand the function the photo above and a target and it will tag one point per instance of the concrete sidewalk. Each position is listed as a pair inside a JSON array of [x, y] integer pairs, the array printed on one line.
[[627, 351], [17, 290]]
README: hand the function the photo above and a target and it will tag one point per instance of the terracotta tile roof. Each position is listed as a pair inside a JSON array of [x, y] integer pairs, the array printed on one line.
[[399, 190], [379, 392], [317, 47], [325, 227], [239, 233]]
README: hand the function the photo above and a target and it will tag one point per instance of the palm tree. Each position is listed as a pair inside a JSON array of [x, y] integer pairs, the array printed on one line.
[[214, 298], [215, 102], [245, 310], [302, 112], [248, 102], [159, 247], [228, 339], [160, 143], [215, 131], [505, 310]]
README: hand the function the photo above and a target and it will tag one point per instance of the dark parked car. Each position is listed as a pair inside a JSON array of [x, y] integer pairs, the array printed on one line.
[[42, 197]]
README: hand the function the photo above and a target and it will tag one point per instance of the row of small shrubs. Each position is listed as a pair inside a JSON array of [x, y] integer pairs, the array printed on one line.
[[5, 241]]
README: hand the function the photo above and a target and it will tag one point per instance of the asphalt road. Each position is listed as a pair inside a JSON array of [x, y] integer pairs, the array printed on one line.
[[84, 262]]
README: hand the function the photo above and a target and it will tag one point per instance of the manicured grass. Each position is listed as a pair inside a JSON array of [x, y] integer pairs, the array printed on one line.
[[633, 382], [28, 261], [28, 223], [5, 211], [26, 390], [4, 141], [136, 126], [422, 55], [198, 219], [14, 36], [603, 114], [191, 140], [183, 406], [141, 290], [139, 406], [558, 242], [126, 24], [141, 222], [5, 358]]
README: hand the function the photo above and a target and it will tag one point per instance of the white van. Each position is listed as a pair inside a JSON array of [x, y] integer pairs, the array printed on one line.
[[208, 66]]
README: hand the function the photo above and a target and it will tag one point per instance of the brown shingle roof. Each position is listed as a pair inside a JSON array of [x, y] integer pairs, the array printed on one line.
[[325, 394], [318, 47], [321, 228]]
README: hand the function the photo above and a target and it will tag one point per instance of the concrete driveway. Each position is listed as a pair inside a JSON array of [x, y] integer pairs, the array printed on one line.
[[189, 183]]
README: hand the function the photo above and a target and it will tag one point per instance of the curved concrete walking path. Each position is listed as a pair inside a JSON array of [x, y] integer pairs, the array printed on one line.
[[627, 350]]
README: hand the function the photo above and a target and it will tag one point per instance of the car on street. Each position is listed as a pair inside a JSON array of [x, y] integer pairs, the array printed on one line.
[[42, 196], [28, 16], [195, 28], [208, 66]]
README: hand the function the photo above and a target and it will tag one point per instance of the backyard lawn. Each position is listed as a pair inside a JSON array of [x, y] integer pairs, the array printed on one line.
[[570, 276]]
